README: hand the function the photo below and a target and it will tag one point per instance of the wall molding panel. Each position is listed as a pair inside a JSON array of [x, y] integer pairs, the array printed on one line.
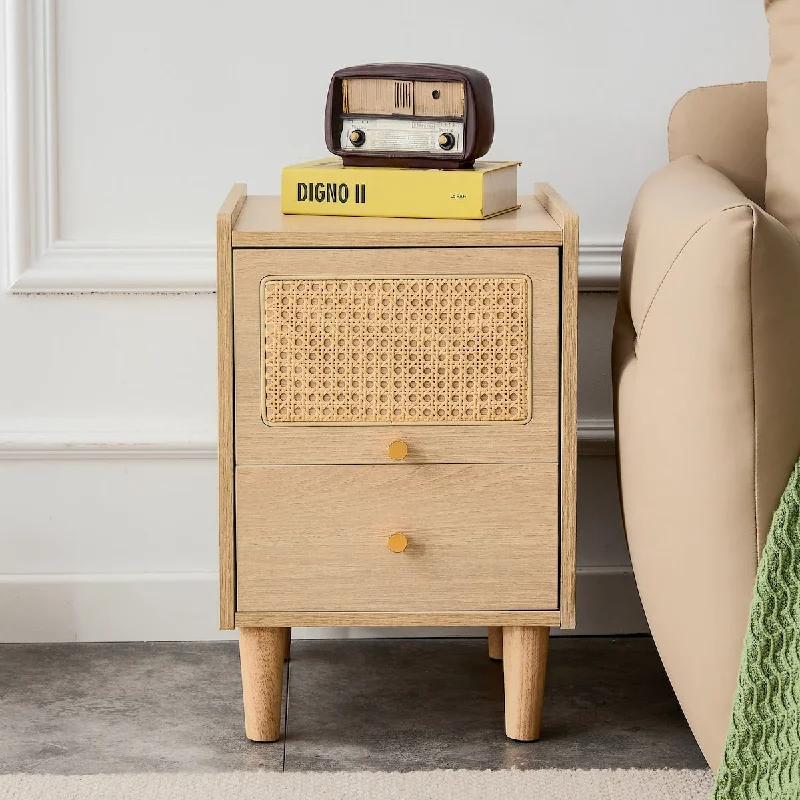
[[596, 437], [38, 261], [599, 266], [58, 442]]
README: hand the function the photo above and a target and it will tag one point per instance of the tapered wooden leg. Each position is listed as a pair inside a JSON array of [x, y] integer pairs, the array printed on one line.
[[524, 668], [261, 653], [287, 643], [496, 643]]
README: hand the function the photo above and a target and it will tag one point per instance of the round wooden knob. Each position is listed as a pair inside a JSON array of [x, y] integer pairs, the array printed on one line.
[[397, 542], [398, 450], [357, 137]]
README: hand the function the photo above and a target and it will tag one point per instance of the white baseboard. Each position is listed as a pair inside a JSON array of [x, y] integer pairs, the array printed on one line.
[[183, 607], [110, 607]]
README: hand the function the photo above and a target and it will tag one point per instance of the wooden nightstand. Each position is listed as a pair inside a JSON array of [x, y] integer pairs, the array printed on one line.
[[397, 441]]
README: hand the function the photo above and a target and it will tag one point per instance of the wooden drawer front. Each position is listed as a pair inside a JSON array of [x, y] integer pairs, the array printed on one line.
[[336, 387], [314, 538]]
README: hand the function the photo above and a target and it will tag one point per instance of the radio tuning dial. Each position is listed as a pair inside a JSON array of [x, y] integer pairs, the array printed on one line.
[[358, 137], [447, 141]]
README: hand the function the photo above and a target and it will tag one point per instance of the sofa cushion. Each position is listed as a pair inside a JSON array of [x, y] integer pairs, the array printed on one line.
[[707, 392], [783, 110]]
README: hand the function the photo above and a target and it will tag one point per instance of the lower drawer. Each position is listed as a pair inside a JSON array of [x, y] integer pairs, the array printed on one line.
[[315, 538]]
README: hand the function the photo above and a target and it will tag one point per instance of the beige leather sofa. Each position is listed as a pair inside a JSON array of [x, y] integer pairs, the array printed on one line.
[[706, 362]]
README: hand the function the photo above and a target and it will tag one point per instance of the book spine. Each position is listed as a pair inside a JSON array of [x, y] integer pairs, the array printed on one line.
[[376, 192]]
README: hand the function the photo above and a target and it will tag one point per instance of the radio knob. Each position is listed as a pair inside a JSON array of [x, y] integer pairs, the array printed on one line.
[[447, 141], [358, 137]]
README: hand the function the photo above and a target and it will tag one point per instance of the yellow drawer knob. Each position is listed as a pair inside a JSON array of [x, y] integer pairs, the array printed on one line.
[[398, 450], [397, 542]]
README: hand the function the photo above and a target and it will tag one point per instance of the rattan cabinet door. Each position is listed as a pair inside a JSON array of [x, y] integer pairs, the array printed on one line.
[[454, 351], [416, 350]]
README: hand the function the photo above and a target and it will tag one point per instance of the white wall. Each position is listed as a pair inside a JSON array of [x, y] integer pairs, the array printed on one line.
[[124, 125]]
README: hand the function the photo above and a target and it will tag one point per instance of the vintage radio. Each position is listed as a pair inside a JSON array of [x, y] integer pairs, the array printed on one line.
[[429, 116]]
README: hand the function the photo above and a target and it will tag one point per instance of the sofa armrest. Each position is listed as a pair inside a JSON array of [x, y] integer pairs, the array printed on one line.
[[678, 210]]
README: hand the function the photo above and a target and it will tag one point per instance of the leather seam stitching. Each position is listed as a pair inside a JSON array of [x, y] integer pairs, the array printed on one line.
[[680, 253], [753, 376]]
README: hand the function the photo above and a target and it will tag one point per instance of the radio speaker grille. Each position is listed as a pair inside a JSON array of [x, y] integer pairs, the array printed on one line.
[[377, 96], [404, 96], [410, 350]]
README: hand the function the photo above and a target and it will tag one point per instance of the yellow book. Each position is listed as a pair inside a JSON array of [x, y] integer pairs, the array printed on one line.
[[329, 188]]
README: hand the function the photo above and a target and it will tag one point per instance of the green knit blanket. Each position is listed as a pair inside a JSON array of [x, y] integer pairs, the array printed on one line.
[[762, 751]]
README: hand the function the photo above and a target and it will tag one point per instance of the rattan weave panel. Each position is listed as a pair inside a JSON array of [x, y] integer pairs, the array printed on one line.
[[397, 350]]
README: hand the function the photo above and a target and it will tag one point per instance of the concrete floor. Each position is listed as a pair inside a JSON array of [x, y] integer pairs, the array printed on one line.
[[351, 705]]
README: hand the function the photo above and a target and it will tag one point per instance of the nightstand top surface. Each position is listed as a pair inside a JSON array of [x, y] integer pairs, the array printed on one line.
[[261, 224]]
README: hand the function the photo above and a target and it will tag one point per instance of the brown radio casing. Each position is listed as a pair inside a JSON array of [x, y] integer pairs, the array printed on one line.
[[452, 104]]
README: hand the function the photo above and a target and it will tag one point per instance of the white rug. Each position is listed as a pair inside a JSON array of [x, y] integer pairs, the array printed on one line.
[[546, 784]]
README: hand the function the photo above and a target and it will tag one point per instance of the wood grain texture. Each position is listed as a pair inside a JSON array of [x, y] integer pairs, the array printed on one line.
[[568, 220], [395, 619], [377, 96], [313, 538], [524, 670], [397, 96], [449, 103], [537, 440], [261, 652], [226, 217], [496, 642], [537, 230], [261, 224]]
